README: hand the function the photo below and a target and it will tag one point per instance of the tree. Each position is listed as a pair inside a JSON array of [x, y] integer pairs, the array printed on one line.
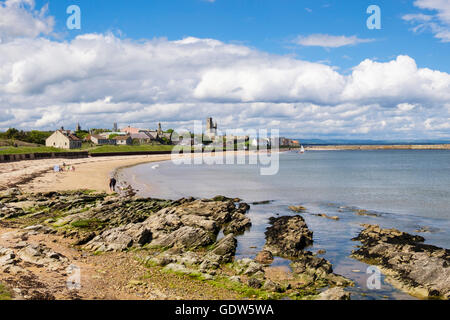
[[12, 133]]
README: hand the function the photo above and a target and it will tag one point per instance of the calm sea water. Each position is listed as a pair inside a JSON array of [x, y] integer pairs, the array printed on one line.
[[406, 189]]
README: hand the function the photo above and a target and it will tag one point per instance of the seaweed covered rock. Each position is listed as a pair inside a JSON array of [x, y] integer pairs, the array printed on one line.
[[288, 236], [412, 266], [315, 268]]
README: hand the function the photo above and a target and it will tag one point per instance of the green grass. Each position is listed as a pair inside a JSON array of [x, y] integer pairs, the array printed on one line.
[[25, 150], [86, 147], [111, 149], [4, 293], [91, 224]]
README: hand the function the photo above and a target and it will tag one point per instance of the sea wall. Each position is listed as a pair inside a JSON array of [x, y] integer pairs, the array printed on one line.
[[38, 156]]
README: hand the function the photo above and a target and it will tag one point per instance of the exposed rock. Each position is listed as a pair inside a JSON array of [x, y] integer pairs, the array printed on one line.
[[243, 207], [235, 279], [41, 229], [222, 252], [366, 213], [335, 293], [419, 269], [178, 268], [238, 224], [225, 248], [287, 236], [315, 268], [247, 266], [271, 286], [259, 203], [297, 209], [323, 215], [264, 257], [185, 237], [255, 283], [426, 230], [121, 238]]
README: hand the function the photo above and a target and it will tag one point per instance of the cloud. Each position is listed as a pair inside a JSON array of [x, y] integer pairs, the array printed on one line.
[[437, 21], [18, 18], [99, 79], [329, 41]]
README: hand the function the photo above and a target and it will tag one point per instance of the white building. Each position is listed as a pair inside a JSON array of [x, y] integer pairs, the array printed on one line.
[[63, 139]]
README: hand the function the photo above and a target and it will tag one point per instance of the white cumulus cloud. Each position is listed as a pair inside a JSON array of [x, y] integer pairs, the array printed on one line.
[[99, 79], [19, 18], [436, 19]]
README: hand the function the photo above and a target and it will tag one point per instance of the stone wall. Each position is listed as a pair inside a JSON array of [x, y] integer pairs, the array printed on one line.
[[37, 156]]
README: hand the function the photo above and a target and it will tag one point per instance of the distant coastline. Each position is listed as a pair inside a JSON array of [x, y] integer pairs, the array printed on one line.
[[379, 147]]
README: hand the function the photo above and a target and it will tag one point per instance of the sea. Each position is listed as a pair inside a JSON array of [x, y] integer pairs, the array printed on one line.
[[405, 189]]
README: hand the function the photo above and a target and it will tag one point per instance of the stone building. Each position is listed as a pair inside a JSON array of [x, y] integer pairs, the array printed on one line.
[[211, 127], [123, 140], [102, 140], [63, 139]]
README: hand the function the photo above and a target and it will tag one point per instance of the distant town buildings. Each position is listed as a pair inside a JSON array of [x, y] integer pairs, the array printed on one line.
[[101, 140], [63, 139]]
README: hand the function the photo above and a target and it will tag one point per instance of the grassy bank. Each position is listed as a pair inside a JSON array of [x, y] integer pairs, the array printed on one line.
[[26, 150], [142, 148], [101, 149]]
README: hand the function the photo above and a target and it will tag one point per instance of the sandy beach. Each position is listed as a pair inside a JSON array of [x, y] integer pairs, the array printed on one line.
[[90, 173]]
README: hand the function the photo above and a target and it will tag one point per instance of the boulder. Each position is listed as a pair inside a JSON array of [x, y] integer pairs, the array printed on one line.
[[121, 238], [239, 223], [288, 236], [336, 293], [225, 248], [255, 283], [271, 286], [185, 237]]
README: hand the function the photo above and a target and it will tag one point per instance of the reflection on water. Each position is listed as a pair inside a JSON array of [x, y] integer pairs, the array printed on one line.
[[407, 190]]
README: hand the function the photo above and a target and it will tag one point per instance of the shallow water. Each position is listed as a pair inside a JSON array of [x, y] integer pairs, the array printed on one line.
[[407, 190]]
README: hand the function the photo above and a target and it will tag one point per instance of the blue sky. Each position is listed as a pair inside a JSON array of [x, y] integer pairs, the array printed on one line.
[[311, 69], [268, 25]]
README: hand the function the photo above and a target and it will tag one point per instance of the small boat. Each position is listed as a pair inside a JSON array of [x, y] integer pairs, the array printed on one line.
[[302, 150]]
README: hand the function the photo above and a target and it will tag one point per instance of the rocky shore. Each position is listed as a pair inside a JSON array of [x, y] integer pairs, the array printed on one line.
[[195, 239], [141, 248], [409, 264]]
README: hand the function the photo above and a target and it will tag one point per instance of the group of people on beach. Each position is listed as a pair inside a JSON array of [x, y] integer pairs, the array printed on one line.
[[63, 168]]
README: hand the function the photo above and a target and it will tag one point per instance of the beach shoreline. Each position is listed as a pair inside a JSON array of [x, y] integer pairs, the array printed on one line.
[[89, 174]]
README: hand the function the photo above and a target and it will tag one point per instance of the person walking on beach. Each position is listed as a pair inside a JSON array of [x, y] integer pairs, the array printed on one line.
[[112, 184]]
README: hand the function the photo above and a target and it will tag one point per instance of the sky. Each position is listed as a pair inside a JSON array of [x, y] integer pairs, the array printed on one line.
[[310, 68]]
